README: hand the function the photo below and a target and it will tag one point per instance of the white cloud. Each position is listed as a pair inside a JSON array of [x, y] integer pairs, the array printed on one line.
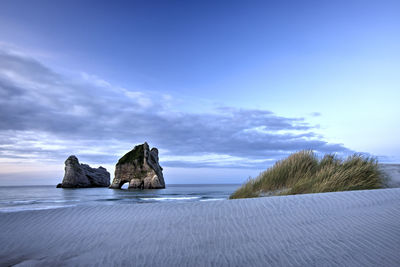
[[46, 116]]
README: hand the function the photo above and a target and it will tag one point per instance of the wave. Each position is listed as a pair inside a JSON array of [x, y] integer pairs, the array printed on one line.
[[28, 208], [167, 198], [212, 199], [24, 202]]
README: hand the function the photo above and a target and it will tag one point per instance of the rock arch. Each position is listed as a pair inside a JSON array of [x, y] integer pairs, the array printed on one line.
[[140, 168]]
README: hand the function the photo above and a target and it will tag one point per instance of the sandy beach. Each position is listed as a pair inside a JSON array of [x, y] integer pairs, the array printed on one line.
[[357, 228]]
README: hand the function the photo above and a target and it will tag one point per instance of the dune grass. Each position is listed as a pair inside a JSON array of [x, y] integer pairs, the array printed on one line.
[[303, 172]]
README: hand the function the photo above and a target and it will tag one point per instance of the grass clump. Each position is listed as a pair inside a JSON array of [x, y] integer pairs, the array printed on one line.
[[303, 172], [135, 154]]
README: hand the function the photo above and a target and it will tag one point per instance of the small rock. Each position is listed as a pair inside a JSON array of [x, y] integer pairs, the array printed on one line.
[[82, 175]]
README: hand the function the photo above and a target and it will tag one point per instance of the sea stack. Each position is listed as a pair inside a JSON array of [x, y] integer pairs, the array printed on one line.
[[82, 175], [140, 168]]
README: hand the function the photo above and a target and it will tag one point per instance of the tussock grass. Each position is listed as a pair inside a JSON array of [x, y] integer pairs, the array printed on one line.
[[303, 172]]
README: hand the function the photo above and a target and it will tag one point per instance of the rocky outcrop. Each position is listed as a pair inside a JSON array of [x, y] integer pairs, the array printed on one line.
[[140, 168], [82, 175]]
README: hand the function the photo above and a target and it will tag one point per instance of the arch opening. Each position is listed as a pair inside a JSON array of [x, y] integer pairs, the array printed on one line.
[[124, 185]]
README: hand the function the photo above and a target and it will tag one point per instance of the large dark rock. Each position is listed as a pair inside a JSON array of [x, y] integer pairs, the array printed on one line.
[[82, 175], [140, 168]]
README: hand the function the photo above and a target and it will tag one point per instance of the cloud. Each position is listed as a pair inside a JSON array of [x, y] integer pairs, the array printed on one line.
[[47, 116], [315, 114]]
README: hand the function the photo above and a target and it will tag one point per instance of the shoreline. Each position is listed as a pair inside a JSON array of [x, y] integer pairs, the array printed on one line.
[[341, 228]]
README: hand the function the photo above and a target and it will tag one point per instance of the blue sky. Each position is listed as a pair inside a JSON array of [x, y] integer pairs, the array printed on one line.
[[222, 88]]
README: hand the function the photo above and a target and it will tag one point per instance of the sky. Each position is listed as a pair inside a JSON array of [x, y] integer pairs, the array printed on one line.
[[223, 89]]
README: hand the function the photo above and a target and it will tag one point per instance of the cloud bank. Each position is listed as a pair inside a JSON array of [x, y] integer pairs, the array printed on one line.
[[46, 116]]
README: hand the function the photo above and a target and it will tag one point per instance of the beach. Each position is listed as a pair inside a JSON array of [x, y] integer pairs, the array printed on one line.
[[354, 228]]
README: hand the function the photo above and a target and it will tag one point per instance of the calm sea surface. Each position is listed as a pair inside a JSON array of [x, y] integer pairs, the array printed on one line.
[[20, 198]]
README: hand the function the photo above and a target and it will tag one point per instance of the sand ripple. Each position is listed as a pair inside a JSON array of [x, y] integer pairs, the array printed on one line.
[[358, 228]]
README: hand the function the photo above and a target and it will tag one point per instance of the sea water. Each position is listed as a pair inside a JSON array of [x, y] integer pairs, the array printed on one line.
[[20, 198]]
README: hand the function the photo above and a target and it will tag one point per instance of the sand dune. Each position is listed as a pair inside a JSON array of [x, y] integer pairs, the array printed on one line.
[[359, 228]]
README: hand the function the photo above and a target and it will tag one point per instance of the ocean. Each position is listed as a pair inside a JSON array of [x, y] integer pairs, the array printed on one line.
[[22, 198]]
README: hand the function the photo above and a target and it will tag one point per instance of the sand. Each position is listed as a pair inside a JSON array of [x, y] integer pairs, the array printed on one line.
[[359, 228]]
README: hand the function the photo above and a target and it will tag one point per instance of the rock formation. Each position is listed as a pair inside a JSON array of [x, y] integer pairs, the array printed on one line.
[[140, 168], [82, 175]]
